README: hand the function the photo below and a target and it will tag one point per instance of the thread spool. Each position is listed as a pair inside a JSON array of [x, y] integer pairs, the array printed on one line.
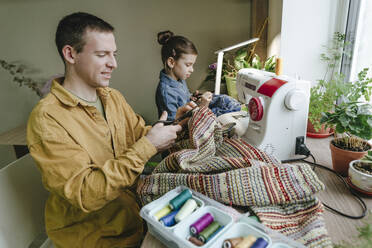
[[169, 220], [201, 223], [246, 242], [260, 243], [187, 208], [179, 200], [214, 234], [231, 243], [278, 67], [203, 236], [195, 241], [162, 212]]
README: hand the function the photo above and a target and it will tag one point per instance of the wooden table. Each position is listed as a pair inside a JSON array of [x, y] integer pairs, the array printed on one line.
[[17, 138], [335, 195]]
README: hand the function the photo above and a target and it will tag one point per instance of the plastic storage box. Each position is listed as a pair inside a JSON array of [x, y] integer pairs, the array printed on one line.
[[234, 224]]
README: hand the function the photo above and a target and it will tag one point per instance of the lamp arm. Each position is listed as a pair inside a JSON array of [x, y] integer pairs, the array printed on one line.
[[217, 84]]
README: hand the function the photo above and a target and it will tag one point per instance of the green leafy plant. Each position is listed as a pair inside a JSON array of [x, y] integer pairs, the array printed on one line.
[[324, 95], [353, 120], [359, 88], [239, 60], [365, 164], [364, 239], [17, 71], [368, 157]]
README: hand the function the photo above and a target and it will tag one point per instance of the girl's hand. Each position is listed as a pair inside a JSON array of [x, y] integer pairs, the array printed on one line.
[[195, 96], [205, 99]]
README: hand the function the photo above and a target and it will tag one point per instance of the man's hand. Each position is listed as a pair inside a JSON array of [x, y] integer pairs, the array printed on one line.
[[163, 137], [183, 110]]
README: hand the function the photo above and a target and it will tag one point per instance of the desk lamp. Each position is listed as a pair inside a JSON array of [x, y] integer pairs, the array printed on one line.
[[220, 61]]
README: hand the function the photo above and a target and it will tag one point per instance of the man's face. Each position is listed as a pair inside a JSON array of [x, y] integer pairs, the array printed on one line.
[[95, 63], [184, 66]]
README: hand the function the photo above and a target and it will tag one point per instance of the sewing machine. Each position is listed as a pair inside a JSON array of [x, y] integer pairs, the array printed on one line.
[[278, 109]]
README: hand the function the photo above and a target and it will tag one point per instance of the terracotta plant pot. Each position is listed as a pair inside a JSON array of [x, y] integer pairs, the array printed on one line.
[[322, 133], [341, 158]]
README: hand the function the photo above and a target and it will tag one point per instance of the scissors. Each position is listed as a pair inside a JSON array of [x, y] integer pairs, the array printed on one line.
[[176, 121], [197, 96]]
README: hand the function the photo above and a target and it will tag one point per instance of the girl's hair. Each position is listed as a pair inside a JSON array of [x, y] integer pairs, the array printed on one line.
[[174, 46]]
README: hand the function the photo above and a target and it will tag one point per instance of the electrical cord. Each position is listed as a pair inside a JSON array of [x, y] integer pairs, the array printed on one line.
[[360, 200], [295, 159], [305, 151]]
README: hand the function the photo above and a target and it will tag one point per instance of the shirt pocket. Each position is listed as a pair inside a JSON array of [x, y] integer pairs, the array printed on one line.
[[119, 138]]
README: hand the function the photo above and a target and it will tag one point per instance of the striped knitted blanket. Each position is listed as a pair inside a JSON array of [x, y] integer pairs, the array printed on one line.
[[233, 172]]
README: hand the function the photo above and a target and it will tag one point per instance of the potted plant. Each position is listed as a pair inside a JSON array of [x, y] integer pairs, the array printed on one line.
[[360, 173], [240, 62], [353, 121], [233, 63], [324, 95]]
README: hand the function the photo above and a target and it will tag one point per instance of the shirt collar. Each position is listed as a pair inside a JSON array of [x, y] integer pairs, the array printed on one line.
[[168, 80], [68, 98]]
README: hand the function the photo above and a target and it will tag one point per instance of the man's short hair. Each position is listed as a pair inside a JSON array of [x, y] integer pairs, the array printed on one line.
[[71, 30]]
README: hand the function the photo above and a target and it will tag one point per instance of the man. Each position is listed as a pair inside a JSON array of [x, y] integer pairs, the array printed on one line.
[[89, 144]]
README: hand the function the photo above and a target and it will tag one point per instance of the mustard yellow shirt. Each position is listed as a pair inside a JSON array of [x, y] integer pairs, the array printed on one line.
[[88, 164]]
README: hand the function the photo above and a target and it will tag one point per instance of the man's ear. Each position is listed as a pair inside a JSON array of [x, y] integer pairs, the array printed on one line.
[[171, 62], [69, 54]]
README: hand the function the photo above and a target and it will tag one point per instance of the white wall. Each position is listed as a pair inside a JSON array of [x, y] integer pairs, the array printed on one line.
[[306, 27], [274, 27]]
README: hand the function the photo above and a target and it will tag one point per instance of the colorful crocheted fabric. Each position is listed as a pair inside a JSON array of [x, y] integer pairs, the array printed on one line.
[[234, 172]]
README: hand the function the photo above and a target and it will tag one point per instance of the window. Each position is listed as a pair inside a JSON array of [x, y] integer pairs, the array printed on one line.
[[358, 32]]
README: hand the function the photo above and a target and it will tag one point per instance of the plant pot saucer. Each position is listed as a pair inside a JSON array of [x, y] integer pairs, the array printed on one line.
[[357, 188], [318, 135]]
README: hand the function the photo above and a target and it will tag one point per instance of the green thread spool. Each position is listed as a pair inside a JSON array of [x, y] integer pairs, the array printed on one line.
[[162, 212], [208, 231], [179, 200]]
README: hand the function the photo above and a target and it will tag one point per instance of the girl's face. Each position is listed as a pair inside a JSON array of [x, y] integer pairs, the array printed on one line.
[[182, 68]]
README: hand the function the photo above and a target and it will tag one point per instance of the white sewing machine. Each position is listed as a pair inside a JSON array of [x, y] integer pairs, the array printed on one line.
[[278, 109]]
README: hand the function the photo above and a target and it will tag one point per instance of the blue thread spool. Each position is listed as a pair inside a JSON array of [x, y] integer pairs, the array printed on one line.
[[214, 234], [201, 223], [179, 200], [260, 243], [169, 220]]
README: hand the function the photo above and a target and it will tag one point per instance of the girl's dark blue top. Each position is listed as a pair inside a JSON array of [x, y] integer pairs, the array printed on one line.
[[172, 94]]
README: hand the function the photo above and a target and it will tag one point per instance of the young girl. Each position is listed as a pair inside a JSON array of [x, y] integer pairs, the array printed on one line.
[[179, 55]]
